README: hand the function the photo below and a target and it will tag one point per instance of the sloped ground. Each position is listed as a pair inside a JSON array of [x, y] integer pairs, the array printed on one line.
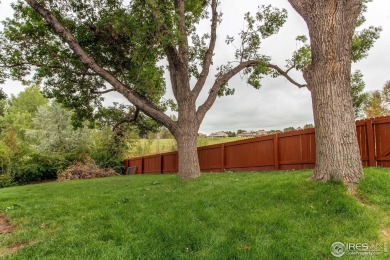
[[272, 215]]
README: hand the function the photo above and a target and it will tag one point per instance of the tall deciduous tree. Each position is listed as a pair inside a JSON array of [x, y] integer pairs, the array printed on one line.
[[79, 46], [378, 102], [331, 27]]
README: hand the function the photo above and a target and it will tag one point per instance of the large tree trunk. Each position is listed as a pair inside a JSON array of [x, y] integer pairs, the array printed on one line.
[[331, 26], [188, 155]]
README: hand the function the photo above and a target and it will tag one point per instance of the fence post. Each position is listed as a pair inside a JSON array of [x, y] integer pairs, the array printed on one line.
[[276, 151], [142, 165], [222, 157], [370, 143], [161, 164]]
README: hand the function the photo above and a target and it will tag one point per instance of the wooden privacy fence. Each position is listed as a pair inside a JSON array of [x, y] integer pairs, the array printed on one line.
[[285, 151]]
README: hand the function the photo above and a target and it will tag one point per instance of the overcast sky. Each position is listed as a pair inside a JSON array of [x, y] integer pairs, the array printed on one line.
[[278, 104]]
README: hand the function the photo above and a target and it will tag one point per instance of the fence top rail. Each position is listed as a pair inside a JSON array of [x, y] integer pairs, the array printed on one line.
[[298, 132], [381, 120]]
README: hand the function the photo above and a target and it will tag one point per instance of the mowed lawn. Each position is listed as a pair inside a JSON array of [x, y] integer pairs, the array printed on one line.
[[268, 215]]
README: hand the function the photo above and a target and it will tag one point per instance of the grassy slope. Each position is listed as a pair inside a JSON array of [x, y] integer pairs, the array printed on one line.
[[150, 146], [217, 216]]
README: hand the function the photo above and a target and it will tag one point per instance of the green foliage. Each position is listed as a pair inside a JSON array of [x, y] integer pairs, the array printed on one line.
[[376, 105], [363, 41], [6, 180], [28, 46], [271, 215], [359, 98], [266, 22], [39, 167], [109, 150], [52, 131]]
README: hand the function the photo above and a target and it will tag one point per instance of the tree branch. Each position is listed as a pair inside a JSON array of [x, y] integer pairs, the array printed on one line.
[[223, 79], [130, 118], [38, 65], [104, 91], [183, 41], [219, 82], [136, 99], [285, 74], [207, 60]]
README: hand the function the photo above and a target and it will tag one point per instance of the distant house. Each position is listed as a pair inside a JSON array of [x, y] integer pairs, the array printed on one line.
[[202, 135], [249, 134], [218, 135], [261, 132]]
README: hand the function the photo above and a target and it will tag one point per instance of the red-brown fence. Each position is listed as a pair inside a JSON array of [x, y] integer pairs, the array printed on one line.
[[285, 151]]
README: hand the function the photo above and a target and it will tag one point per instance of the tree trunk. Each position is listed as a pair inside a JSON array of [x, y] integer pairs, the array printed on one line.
[[331, 26], [188, 155]]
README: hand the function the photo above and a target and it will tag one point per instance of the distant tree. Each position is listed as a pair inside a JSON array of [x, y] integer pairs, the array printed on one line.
[[308, 126], [230, 133], [52, 131], [274, 132], [386, 94], [240, 131], [378, 103], [359, 97], [289, 129]]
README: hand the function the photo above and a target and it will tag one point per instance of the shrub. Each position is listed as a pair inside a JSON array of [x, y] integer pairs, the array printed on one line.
[[39, 168], [85, 169], [6, 180]]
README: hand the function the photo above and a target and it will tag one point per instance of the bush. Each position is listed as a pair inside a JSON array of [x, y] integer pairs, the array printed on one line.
[[85, 169], [6, 180], [39, 168]]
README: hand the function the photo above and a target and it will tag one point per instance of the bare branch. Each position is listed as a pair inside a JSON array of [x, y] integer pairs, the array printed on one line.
[[220, 81], [130, 118], [207, 60], [104, 91], [285, 74], [136, 99]]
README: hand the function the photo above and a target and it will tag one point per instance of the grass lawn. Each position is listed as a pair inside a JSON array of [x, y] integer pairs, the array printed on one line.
[[269, 215]]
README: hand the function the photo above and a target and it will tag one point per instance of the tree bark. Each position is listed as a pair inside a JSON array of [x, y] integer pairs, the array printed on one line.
[[331, 26], [188, 155]]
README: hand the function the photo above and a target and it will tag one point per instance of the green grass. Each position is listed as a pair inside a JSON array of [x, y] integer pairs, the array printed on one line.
[[142, 147], [270, 215]]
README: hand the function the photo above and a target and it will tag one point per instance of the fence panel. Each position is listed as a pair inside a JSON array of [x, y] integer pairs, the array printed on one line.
[[361, 134], [137, 162], [170, 162], [297, 150], [210, 158], [250, 154], [152, 164], [382, 139]]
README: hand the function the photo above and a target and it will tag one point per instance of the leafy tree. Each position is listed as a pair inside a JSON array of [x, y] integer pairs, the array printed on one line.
[[240, 131], [307, 126], [17, 118], [52, 131], [70, 46], [378, 102], [230, 133], [327, 73], [359, 98], [375, 106], [289, 129]]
